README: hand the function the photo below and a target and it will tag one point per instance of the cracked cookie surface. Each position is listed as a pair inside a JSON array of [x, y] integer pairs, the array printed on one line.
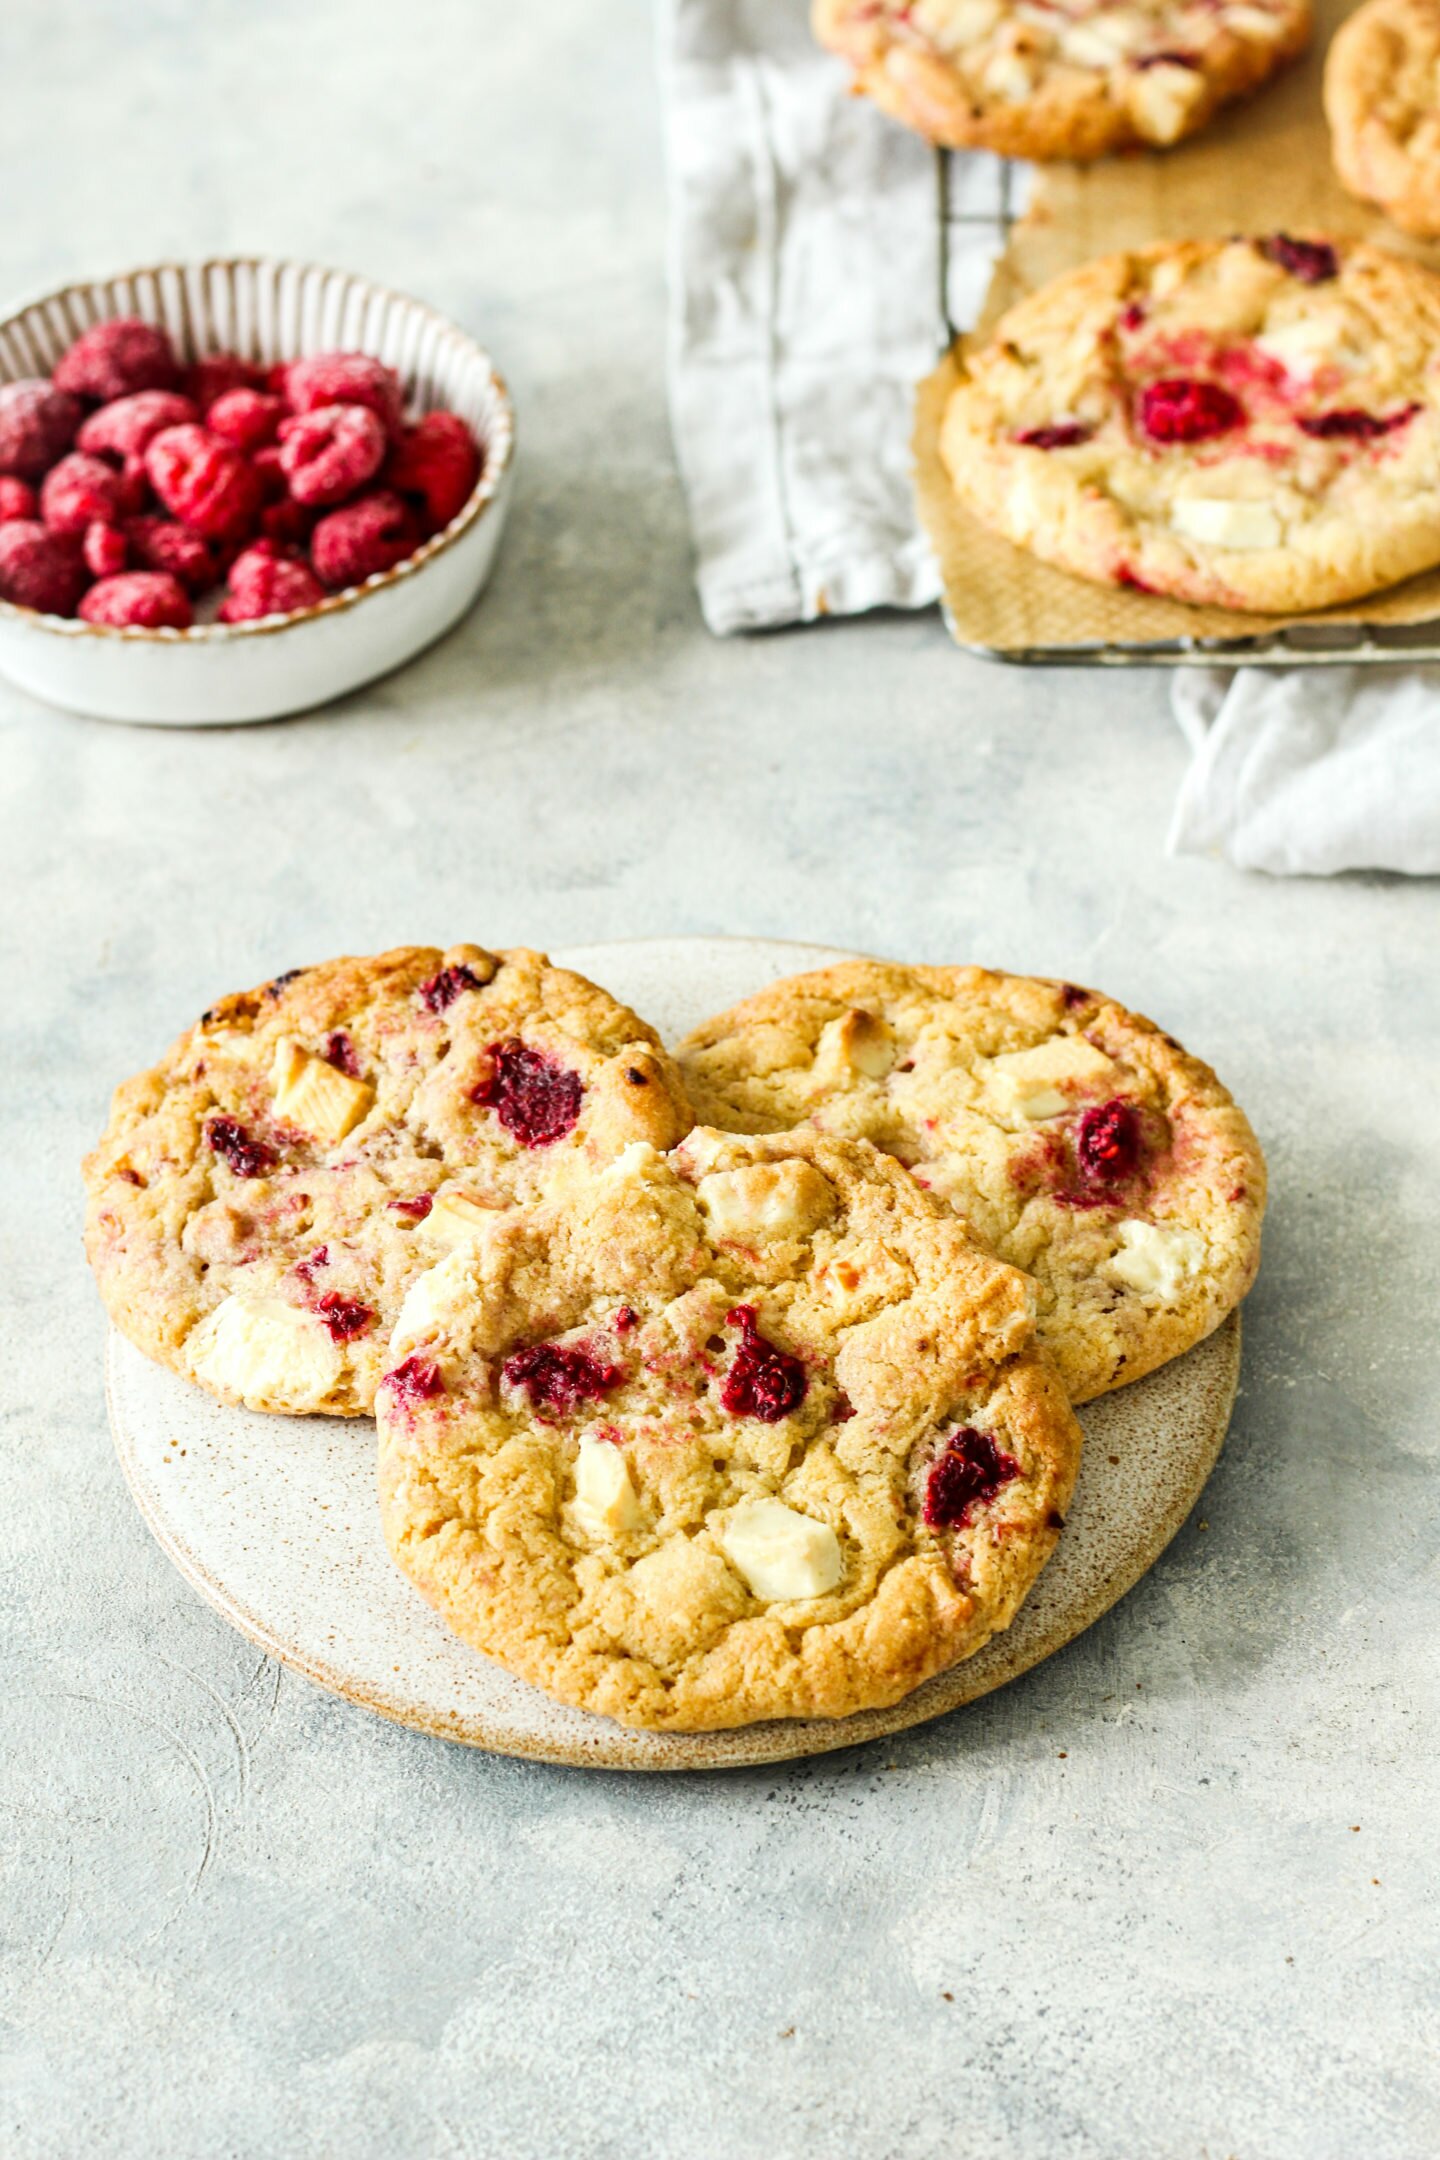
[[263, 1197], [747, 1430], [1251, 424], [1075, 1139], [1382, 100]]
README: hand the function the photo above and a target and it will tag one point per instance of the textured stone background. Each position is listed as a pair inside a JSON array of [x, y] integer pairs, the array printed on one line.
[[1119, 1910]]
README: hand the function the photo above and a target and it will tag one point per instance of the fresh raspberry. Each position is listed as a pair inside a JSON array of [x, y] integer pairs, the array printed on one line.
[[1061, 435], [126, 427], [246, 419], [105, 550], [160, 543], [560, 1376], [1313, 262], [80, 489], [968, 1475], [116, 358], [344, 1317], [355, 542], [764, 1381], [1107, 1143], [536, 1100], [141, 600], [331, 453], [343, 378], [287, 524], [17, 500], [246, 1156], [37, 427], [417, 1380], [441, 991], [217, 374], [204, 482], [1357, 426], [273, 483], [439, 460], [264, 582], [1181, 410], [39, 568]]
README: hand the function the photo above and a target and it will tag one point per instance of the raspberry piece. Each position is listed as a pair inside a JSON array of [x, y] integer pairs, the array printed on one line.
[[1313, 262], [116, 358], [1060, 435], [80, 489], [764, 1381], [560, 1376], [967, 1476], [104, 549], [17, 500], [413, 1210], [1182, 410], [246, 1156], [1107, 1143], [39, 568], [287, 524], [343, 378], [246, 419], [1355, 425], [159, 543], [536, 1100], [439, 460], [140, 600], [352, 544], [37, 426], [417, 1380], [204, 482], [330, 453], [340, 1052], [441, 991], [263, 582], [217, 374], [1166, 59], [127, 426], [344, 1317]]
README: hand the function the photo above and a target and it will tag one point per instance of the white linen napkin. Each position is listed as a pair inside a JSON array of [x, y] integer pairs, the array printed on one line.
[[1311, 770], [805, 305]]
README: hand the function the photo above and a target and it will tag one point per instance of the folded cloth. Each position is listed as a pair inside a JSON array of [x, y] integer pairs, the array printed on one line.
[[805, 305], [1311, 770]]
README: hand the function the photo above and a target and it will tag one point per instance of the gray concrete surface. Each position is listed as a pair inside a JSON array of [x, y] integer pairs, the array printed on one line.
[[1174, 1894]]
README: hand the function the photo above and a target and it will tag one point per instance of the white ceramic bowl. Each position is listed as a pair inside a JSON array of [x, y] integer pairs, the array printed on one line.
[[220, 673]]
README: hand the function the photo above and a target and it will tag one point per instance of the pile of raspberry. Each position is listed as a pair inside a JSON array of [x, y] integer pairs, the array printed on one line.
[[130, 484]]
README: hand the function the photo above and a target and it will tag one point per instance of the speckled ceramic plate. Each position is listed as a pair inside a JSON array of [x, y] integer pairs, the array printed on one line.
[[274, 1519]]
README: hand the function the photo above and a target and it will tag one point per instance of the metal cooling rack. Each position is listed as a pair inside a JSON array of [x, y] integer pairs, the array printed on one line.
[[979, 200]]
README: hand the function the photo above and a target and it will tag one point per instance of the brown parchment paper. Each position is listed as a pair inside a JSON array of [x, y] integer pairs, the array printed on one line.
[[1262, 168]]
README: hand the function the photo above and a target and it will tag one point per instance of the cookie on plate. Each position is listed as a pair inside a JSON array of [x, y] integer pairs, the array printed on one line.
[[749, 1430], [1382, 99], [1249, 424], [264, 1195], [1031, 80], [1076, 1140]]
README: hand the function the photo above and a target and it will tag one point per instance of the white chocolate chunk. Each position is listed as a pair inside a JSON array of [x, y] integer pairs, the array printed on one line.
[[1252, 22], [606, 1505], [1009, 77], [1222, 521], [1162, 99], [455, 1219], [1308, 343], [437, 1303], [765, 1200], [954, 24], [780, 1552], [858, 1043], [1156, 1258], [1027, 1084], [264, 1352], [1103, 39], [317, 1097]]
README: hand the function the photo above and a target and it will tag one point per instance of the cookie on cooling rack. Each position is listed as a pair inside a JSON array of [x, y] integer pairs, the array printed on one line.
[[1075, 1139], [263, 1196], [1247, 424], [750, 1430], [1031, 80], [1382, 99]]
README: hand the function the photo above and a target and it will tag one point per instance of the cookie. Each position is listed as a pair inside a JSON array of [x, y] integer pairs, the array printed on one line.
[[749, 1430], [1032, 80], [264, 1196], [1251, 424], [1075, 1140], [1382, 100]]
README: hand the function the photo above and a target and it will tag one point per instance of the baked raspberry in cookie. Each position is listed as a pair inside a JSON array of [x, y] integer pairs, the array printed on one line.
[[264, 1196], [1250, 424], [1041, 79], [1382, 99], [1076, 1140], [750, 1430]]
